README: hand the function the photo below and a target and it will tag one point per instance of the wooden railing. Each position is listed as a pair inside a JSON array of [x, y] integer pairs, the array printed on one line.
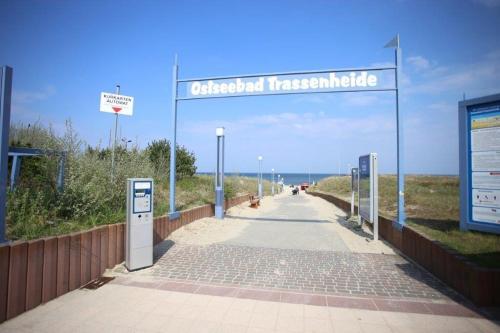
[[480, 285], [34, 272]]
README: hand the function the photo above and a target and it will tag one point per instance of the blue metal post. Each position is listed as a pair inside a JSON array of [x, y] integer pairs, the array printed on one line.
[[60, 172], [219, 177], [14, 171], [260, 192], [400, 143], [172, 213], [5, 98], [222, 165], [272, 182]]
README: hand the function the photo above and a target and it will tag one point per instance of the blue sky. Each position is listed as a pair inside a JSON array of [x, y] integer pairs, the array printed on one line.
[[65, 53]]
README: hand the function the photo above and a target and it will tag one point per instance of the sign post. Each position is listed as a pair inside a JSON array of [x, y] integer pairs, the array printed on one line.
[[479, 152], [354, 187], [272, 181], [116, 104], [259, 189], [5, 98], [172, 211]]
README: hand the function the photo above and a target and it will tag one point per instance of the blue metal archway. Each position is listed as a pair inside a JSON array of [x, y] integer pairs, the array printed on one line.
[[307, 83]]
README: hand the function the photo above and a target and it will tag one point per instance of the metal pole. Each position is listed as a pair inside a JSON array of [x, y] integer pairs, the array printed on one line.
[[60, 171], [5, 98], [400, 143], [352, 193], [260, 178], [173, 214], [14, 171], [272, 182], [222, 164], [217, 172], [114, 141], [219, 210], [360, 220]]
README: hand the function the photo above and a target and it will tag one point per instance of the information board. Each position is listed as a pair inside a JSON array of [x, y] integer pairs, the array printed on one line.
[[368, 190], [480, 174], [364, 187]]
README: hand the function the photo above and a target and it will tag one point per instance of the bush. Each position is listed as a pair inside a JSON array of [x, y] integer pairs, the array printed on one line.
[[90, 195], [159, 155]]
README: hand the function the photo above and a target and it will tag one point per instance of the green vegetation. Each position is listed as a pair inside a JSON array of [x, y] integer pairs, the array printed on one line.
[[432, 208], [91, 197]]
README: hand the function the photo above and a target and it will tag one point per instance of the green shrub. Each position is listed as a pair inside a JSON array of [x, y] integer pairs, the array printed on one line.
[[159, 155]]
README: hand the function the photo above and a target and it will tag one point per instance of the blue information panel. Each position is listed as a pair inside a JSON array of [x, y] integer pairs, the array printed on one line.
[[480, 164], [484, 164], [364, 188]]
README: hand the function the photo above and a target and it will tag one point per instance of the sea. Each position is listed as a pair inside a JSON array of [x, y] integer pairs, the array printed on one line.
[[288, 178]]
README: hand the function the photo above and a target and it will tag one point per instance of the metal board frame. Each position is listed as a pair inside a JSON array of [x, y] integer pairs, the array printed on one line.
[[18, 153], [466, 109], [5, 99], [354, 187], [372, 216], [394, 43]]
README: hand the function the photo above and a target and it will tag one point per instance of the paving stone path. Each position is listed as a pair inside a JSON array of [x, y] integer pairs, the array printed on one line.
[[358, 274]]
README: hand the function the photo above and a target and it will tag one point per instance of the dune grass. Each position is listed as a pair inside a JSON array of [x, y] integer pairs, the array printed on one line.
[[191, 192], [432, 208]]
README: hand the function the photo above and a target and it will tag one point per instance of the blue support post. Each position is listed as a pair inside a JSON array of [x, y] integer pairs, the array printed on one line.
[[14, 171], [5, 98], [400, 143], [60, 172], [219, 175], [172, 212]]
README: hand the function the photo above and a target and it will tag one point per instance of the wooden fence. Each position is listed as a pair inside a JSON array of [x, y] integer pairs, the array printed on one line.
[[480, 285], [34, 272]]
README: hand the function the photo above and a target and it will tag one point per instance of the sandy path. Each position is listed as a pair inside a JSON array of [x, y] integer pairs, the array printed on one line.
[[283, 221]]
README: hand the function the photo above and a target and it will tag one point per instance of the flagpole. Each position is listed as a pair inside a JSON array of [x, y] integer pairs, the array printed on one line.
[[400, 140]]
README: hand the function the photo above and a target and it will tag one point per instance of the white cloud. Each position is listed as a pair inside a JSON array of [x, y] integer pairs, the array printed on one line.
[[474, 79], [420, 63], [311, 124], [33, 96]]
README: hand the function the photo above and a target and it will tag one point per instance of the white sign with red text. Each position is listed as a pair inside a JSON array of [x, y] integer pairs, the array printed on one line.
[[117, 104]]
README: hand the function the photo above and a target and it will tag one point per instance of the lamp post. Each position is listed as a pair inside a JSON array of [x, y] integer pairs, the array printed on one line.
[[280, 186], [272, 182], [260, 177], [219, 175]]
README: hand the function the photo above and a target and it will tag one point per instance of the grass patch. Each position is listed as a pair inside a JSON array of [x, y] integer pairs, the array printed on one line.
[[432, 208], [29, 220]]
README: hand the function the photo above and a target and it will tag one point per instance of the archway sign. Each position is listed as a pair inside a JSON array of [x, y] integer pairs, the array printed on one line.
[[285, 83]]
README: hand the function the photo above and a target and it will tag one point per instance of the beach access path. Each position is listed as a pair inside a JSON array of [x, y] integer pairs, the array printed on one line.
[[295, 264]]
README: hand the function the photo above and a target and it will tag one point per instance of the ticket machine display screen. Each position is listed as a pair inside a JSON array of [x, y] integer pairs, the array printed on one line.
[[142, 197]]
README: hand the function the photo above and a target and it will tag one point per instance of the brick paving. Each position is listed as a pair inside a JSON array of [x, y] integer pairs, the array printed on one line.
[[326, 272]]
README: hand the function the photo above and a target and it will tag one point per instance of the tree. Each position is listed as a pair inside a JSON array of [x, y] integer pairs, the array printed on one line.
[[159, 155]]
